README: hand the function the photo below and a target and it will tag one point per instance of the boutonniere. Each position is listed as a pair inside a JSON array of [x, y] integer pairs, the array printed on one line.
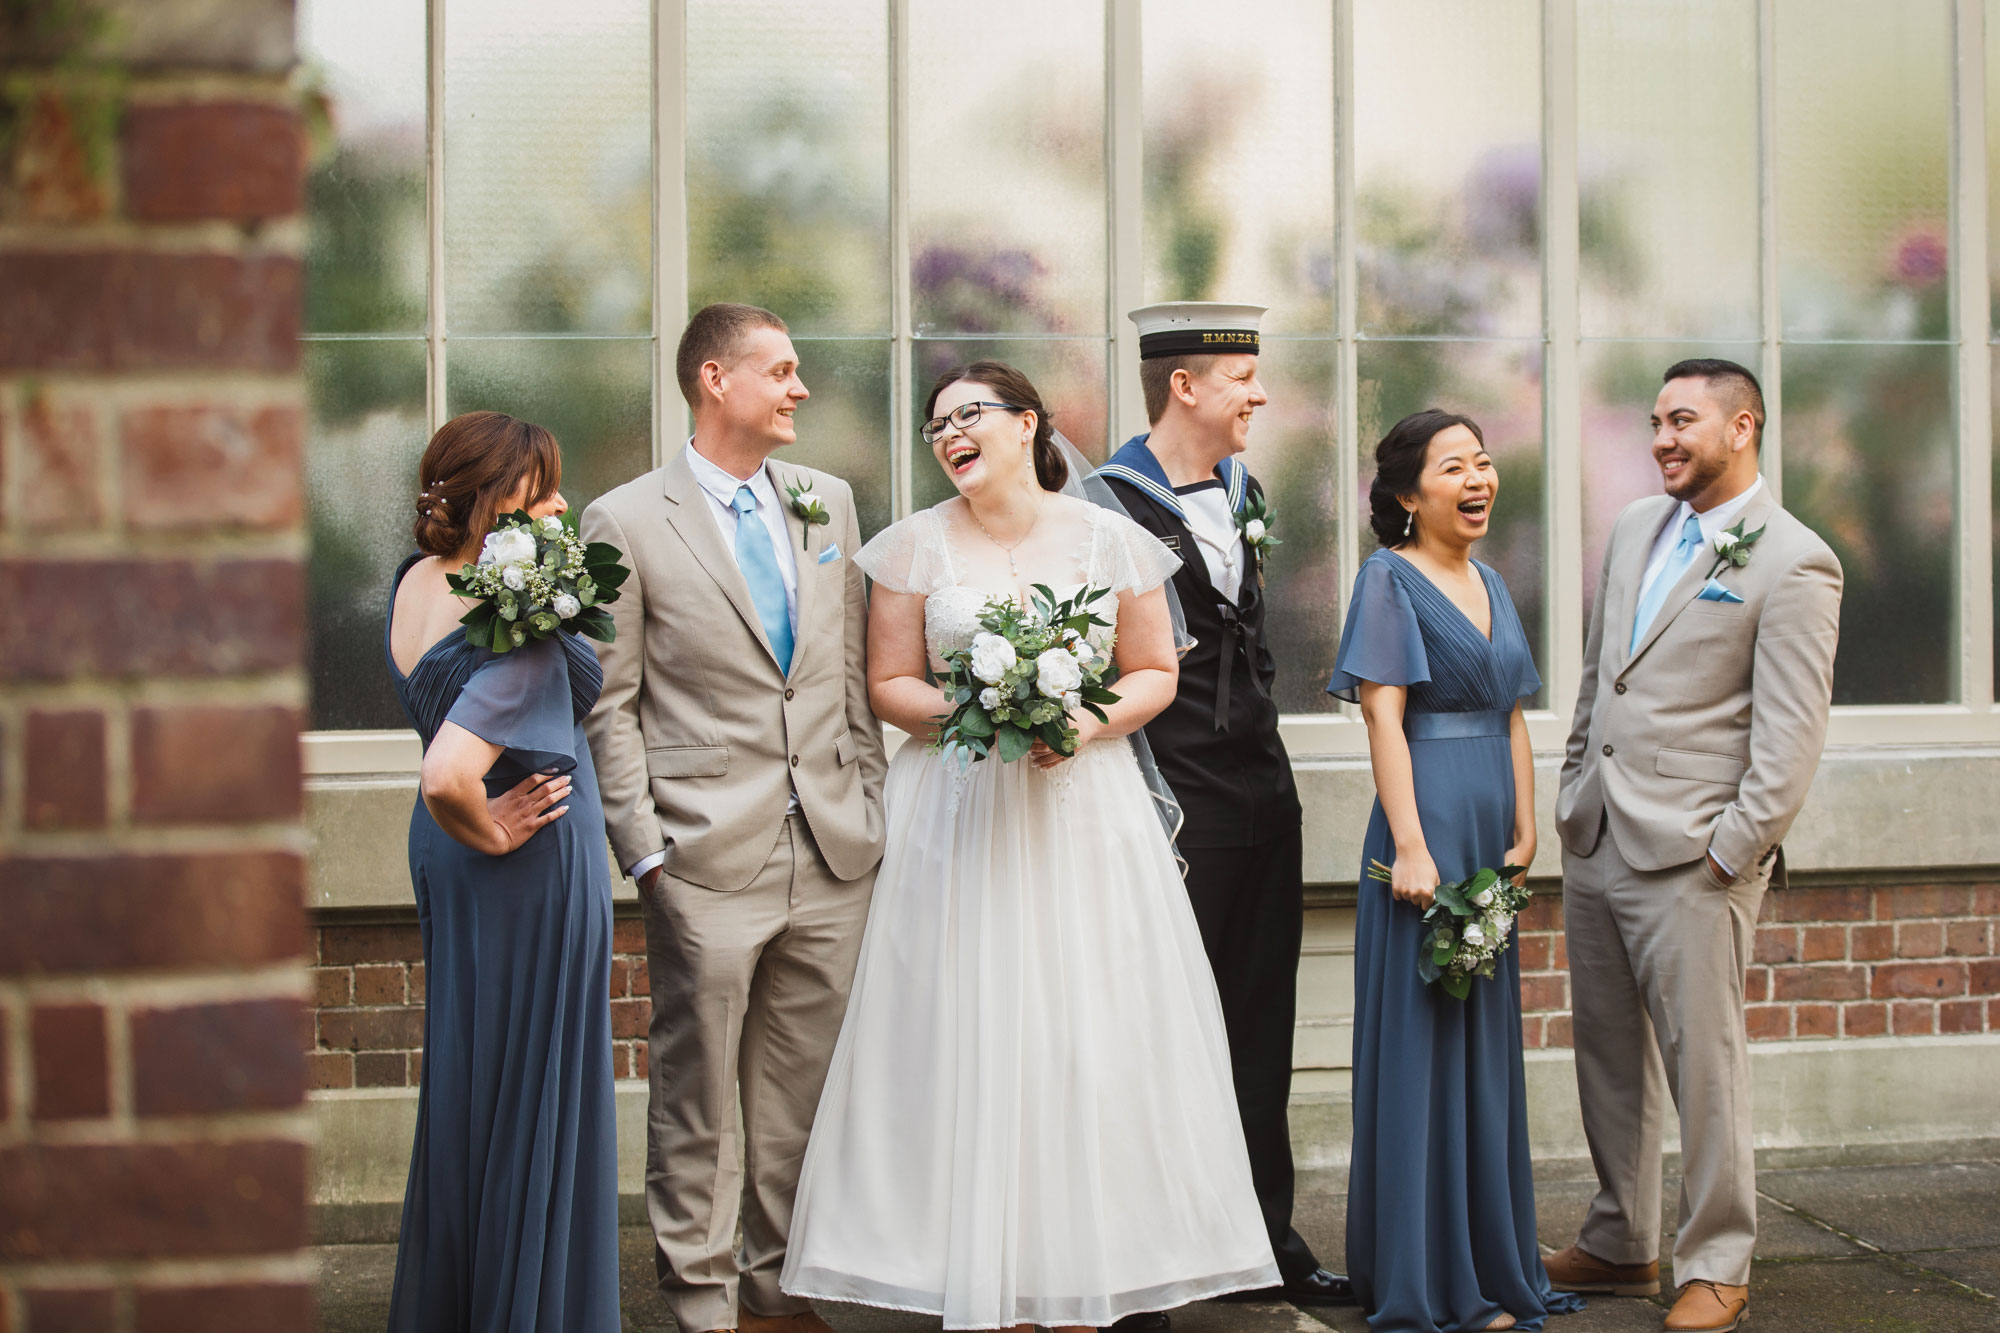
[[808, 506], [1732, 547], [1255, 521]]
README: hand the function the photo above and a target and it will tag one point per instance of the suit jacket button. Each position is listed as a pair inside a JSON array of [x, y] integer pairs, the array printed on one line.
[[789, 693], [795, 761], [1619, 687], [1607, 750]]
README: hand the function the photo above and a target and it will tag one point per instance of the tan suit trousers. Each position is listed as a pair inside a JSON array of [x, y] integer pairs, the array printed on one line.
[[1656, 962], [748, 992]]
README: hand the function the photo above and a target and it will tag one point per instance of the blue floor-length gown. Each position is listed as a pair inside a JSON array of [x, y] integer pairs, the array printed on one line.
[[510, 1221], [1441, 1196]]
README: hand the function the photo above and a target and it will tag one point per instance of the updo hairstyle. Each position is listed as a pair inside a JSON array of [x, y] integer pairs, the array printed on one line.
[[1399, 468], [1010, 385], [470, 467]]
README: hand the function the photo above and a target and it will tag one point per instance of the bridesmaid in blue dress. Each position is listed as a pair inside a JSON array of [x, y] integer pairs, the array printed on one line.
[[1441, 1198], [510, 1221]]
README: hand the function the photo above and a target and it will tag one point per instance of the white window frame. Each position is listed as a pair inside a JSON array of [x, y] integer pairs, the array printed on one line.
[[1973, 720]]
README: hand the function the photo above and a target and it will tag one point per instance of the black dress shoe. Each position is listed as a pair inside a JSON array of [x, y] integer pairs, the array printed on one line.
[[1318, 1287], [1145, 1321]]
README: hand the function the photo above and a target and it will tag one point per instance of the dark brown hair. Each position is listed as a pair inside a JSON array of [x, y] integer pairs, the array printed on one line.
[[1012, 387], [716, 334], [1156, 379], [1399, 468], [470, 467], [1734, 385]]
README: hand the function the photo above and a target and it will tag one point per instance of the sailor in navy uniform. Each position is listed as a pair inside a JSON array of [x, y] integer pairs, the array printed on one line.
[[1217, 744]]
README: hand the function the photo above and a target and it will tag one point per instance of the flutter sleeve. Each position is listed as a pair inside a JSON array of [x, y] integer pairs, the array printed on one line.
[[911, 556], [1129, 558], [520, 701], [1382, 641]]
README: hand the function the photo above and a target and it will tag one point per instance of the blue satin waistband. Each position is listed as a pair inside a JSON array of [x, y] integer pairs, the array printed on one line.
[[1456, 726]]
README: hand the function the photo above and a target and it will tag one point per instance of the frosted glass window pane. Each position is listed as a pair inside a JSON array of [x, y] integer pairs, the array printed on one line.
[[1239, 158], [1007, 173], [1069, 373], [1667, 168], [1869, 466], [366, 246], [1499, 385], [843, 426], [1448, 166], [1291, 454], [1621, 382], [548, 166], [595, 394], [788, 161], [366, 433], [1864, 158]]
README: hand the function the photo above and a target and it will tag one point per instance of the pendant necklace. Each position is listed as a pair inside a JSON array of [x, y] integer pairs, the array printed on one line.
[[1005, 549]]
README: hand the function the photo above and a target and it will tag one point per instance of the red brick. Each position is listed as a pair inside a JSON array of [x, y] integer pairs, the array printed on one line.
[[135, 310], [1560, 1031], [1531, 1031], [1962, 1016], [1559, 952], [61, 488], [1534, 953], [329, 1069], [1820, 905], [416, 1068], [238, 161], [1920, 939], [1912, 1018], [629, 1018], [6, 1079], [370, 944], [628, 937], [53, 178], [1993, 1015], [66, 770], [201, 617], [416, 983], [1918, 900], [642, 977], [72, 1062], [1869, 943], [152, 1200], [1986, 900], [1544, 994], [214, 763], [1768, 1022], [1821, 981], [1864, 1020], [1816, 1020], [371, 1029], [380, 983], [1821, 944], [1983, 977], [197, 1059], [250, 1308], [332, 987], [1543, 912], [1777, 944], [1910, 980], [1968, 939], [194, 468], [621, 977], [1756, 984], [71, 1309], [381, 1069], [117, 913], [621, 1060]]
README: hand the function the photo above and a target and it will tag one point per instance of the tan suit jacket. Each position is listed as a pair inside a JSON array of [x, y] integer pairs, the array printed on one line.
[[698, 738], [1706, 737]]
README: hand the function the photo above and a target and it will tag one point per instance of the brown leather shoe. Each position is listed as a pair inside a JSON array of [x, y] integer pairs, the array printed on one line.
[[1708, 1307], [1574, 1270], [805, 1321]]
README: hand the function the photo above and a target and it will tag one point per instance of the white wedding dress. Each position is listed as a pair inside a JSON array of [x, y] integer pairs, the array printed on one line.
[[1029, 1116]]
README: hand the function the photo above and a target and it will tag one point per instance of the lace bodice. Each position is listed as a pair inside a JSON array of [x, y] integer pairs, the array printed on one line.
[[1084, 545]]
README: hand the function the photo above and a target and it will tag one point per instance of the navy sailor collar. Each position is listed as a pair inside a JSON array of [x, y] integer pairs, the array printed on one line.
[[1134, 463]]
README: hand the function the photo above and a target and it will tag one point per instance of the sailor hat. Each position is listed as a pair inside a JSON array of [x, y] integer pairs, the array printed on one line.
[[1196, 328]]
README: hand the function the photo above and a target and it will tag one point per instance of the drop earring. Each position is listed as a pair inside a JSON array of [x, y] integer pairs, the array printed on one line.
[[1410, 526]]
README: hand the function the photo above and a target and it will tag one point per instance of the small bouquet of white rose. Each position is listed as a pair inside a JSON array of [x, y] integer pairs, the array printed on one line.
[[535, 577], [1023, 673], [1470, 923]]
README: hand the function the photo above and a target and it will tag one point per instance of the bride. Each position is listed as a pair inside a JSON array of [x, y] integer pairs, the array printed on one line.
[[1028, 1119]]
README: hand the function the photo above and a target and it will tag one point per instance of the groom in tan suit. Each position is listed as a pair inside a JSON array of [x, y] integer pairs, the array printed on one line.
[[1698, 728], [742, 777]]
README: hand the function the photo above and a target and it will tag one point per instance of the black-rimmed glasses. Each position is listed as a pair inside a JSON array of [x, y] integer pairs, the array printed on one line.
[[962, 416]]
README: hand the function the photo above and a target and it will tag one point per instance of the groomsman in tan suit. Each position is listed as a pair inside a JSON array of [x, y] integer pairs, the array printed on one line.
[[1698, 728], [742, 775]]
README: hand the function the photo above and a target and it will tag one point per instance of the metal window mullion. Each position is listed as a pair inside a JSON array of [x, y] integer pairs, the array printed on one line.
[[901, 319], [1562, 384], [1771, 314], [1124, 151], [1347, 375], [434, 334], [1972, 384], [670, 232]]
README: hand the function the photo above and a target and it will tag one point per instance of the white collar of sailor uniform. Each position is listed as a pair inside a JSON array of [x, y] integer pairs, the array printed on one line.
[[1135, 463]]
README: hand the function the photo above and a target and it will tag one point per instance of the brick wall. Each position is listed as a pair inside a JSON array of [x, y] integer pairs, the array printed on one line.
[[153, 1141], [1906, 960]]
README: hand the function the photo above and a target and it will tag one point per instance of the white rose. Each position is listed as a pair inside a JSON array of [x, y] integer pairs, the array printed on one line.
[[989, 699], [1254, 529], [552, 526], [1056, 673], [992, 657], [509, 546], [566, 605], [806, 500], [1072, 699], [1725, 542], [514, 578], [1474, 937], [1483, 897]]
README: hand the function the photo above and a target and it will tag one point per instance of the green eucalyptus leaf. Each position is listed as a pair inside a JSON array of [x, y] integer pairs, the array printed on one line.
[[1014, 743], [1457, 985]]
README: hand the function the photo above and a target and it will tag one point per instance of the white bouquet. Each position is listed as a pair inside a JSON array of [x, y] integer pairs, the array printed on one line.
[[1022, 674], [535, 578]]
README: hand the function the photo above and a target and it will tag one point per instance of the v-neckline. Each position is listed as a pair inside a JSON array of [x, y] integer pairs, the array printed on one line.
[[1492, 617]]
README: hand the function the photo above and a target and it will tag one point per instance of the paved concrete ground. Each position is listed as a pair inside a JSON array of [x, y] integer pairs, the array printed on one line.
[[1888, 1249]]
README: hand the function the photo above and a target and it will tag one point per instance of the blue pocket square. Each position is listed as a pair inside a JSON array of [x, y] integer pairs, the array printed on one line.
[[1713, 591], [832, 553]]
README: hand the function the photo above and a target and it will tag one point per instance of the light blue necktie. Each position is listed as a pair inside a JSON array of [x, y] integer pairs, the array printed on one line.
[[1677, 564], [759, 564]]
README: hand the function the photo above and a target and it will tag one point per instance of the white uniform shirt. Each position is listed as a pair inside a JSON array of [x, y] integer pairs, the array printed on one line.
[[1216, 533]]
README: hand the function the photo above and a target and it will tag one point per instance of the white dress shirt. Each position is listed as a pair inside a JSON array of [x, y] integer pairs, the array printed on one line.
[[1216, 533], [720, 488]]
